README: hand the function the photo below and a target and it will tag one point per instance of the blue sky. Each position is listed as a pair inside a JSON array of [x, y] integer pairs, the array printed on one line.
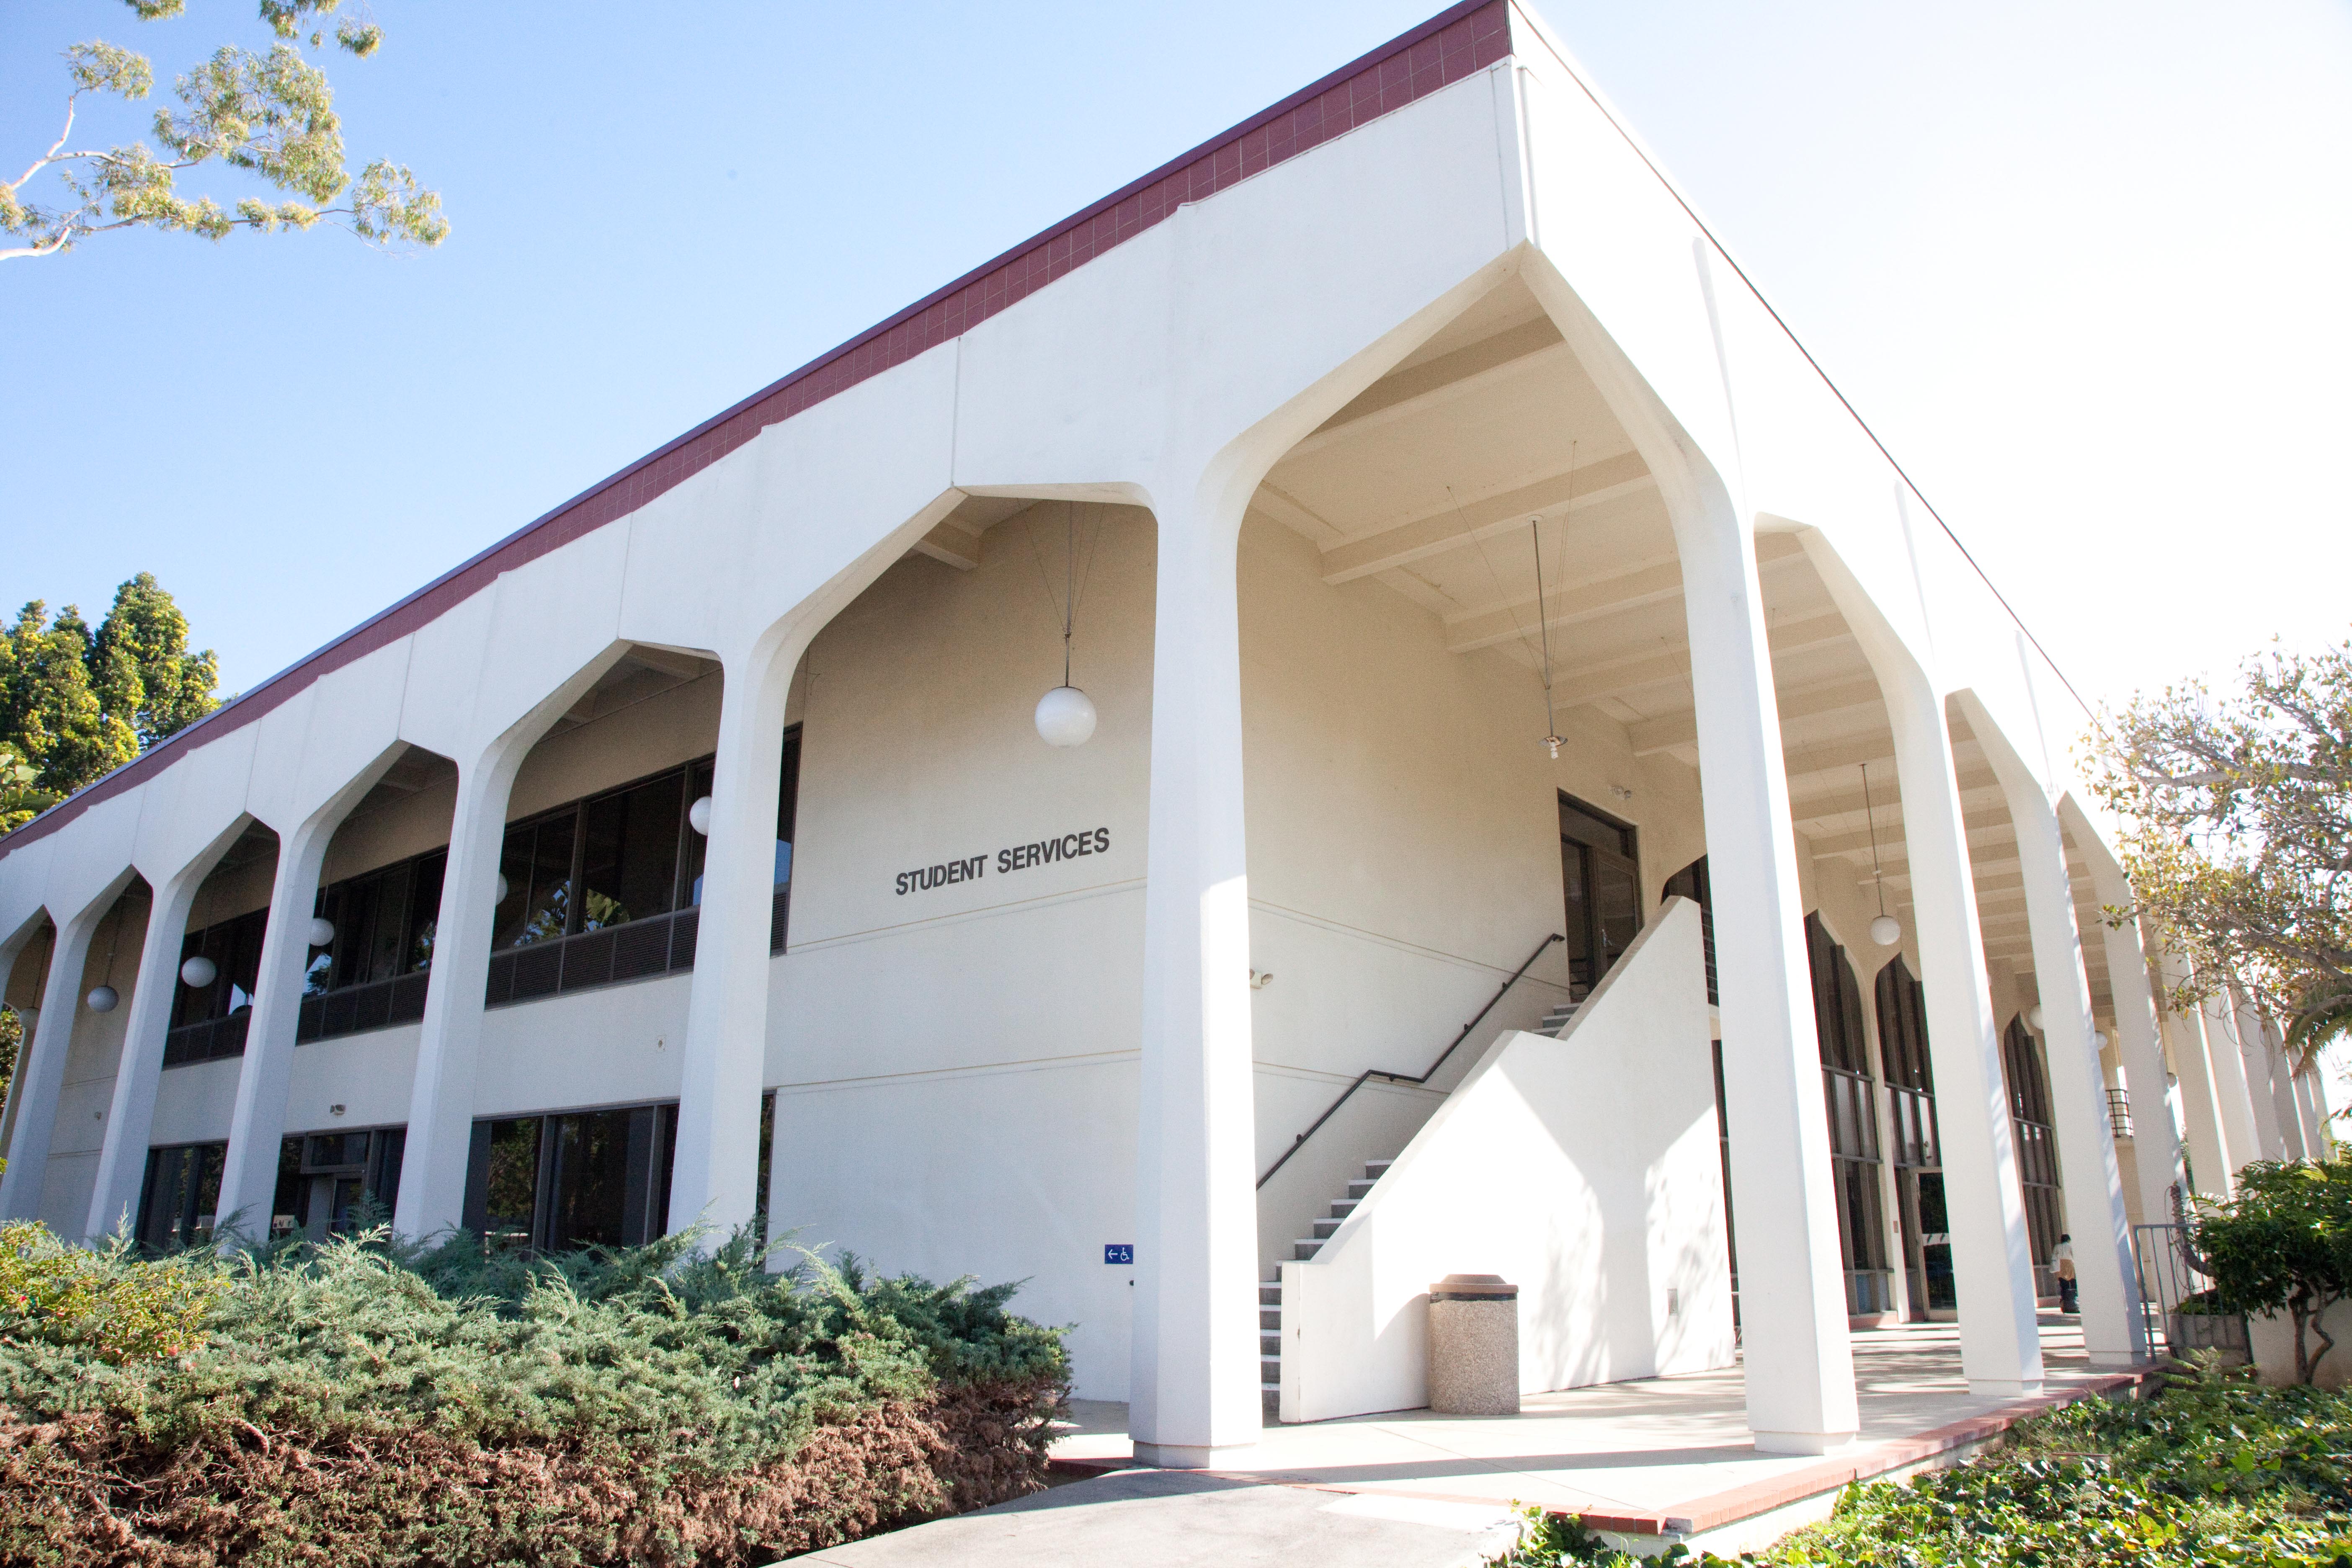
[[2080, 266]]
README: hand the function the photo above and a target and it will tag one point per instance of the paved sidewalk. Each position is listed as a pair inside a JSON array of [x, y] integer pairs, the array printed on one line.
[[1174, 1519], [1664, 1459]]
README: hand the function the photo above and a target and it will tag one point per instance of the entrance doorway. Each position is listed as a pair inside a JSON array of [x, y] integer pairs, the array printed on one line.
[[1601, 877]]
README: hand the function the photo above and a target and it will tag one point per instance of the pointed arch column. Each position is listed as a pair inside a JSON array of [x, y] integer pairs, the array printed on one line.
[[2156, 1142], [139, 1073], [1195, 1397], [449, 1045], [40, 1076], [2225, 1058], [1992, 1269], [715, 1169], [2090, 1175], [2203, 1135], [2255, 1053]]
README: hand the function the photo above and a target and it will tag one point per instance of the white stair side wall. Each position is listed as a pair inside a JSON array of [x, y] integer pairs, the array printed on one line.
[[1584, 1170]]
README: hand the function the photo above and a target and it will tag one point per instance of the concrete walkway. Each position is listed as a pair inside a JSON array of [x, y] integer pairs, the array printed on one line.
[[1648, 1462]]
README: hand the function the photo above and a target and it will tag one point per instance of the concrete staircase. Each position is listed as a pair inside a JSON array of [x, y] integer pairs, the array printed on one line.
[[1269, 1291], [1556, 1022]]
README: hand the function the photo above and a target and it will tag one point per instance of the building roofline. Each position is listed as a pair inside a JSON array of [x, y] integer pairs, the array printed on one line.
[[1456, 43]]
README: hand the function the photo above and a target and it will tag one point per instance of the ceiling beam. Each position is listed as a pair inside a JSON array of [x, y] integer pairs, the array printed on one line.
[[1839, 802], [951, 545], [1587, 600], [1441, 380], [1594, 682], [1632, 586], [1994, 824], [1597, 484], [1668, 731]]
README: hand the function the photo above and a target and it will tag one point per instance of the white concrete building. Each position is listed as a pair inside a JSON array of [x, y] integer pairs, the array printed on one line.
[[1463, 561]]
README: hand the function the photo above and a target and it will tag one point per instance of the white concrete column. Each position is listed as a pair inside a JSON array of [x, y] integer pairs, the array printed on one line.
[[138, 1073], [2255, 1050], [715, 1171], [1194, 1398], [2311, 1095], [2107, 1286], [2289, 1112], [1992, 1264], [2156, 1142], [11, 949], [2226, 1059], [257, 1125], [41, 1069], [2207, 1139], [1792, 1304], [441, 1097]]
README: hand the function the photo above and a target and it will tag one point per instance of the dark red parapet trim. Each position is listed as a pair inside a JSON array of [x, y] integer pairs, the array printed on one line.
[[1456, 43]]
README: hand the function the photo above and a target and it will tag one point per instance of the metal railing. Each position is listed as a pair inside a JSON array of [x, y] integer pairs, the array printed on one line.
[[1417, 1081], [2169, 1275]]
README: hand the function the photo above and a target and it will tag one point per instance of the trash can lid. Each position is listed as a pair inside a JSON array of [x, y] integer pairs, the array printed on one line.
[[1473, 1288]]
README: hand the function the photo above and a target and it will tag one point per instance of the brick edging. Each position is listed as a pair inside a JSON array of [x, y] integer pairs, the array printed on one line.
[[1719, 1509]]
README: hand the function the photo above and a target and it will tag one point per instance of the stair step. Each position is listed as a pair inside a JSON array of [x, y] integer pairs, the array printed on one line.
[[1375, 1169], [1342, 1207], [1306, 1248], [1269, 1346], [1269, 1370], [1324, 1229], [1269, 1295], [1359, 1189], [1269, 1318]]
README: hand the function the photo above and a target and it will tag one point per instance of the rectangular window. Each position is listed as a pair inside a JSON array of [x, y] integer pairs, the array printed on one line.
[[208, 1021], [178, 1200], [575, 1179], [329, 1184]]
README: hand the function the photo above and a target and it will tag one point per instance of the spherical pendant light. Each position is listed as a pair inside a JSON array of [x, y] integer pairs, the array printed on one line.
[[102, 999], [322, 932], [199, 971], [503, 889], [1066, 717], [1886, 931], [2034, 1019], [697, 816]]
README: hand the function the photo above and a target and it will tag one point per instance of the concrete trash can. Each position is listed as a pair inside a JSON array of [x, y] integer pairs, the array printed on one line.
[[1474, 1346]]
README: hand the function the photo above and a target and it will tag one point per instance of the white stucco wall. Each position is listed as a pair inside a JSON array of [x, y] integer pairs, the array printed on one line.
[[1583, 1170]]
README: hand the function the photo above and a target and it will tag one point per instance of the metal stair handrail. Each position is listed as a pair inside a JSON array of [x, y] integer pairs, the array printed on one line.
[[1369, 1073]]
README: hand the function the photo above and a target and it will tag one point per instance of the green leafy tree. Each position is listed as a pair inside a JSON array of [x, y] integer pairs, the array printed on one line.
[[270, 115], [77, 703], [2284, 1244], [20, 799], [2238, 830]]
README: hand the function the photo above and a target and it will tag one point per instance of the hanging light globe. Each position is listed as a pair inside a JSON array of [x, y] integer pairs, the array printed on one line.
[[102, 999], [199, 971], [2034, 1019], [503, 888], [322, 932], [1886, 931], [697, 815], [1066, 717]]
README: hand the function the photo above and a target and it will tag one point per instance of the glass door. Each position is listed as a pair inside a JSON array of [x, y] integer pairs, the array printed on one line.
[[1600, 880]]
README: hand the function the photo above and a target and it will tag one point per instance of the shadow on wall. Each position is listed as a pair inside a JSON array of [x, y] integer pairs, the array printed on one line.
[[1583, 1170]]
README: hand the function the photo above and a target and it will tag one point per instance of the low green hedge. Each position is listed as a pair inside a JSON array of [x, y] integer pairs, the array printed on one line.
[[2214, 1470], [363, 1404]]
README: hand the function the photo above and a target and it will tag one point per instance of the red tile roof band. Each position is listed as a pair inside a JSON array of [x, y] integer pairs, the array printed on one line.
[[1454, 44]]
